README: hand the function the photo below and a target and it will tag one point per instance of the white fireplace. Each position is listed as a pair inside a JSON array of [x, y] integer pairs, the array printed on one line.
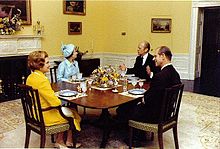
[[16, 45]]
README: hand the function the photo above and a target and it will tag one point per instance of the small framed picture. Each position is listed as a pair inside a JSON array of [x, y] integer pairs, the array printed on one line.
[[77, 7], [160, 25], [74, 28]]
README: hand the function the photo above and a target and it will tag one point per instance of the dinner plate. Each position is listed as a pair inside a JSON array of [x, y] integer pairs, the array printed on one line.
[[130, 75], [137, 91], [79, 80], [68, 93], [131, 78]]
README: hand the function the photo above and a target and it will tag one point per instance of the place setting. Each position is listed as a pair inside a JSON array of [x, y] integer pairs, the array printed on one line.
[[78, 78], [135, 92], [71, 94]]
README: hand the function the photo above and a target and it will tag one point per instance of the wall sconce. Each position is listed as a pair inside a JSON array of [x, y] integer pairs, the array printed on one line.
[[38, 28]]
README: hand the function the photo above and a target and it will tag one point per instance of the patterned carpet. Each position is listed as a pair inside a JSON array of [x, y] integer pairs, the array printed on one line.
[[199, 122]]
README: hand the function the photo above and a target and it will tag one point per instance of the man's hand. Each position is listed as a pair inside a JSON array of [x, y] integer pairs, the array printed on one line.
[[142, 101], [122, 67], [148, 70]]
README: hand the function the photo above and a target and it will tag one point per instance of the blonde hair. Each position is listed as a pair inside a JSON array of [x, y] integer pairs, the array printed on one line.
[[36, 60]]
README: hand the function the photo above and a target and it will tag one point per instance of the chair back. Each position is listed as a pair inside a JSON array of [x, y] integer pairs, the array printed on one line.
[[53, 74], [31, 105], [171, 103]]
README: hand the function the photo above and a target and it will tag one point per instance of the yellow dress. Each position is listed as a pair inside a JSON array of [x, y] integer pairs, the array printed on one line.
[[48, 99]]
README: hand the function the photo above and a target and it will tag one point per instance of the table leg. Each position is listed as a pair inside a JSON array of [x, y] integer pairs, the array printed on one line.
[[106, 120]]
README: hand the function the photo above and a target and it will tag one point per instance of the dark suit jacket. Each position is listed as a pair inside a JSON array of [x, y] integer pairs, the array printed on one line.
[[149, 112], [139, 70]]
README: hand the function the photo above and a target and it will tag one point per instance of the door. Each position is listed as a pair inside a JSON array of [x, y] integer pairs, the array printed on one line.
[[199, 43], [210, 70]]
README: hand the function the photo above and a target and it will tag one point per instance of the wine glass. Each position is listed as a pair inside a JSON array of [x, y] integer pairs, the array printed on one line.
[[134, 82], [141, 83]]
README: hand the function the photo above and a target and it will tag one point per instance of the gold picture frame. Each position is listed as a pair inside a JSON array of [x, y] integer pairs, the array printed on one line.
[[161, 25], [10, 7], [77, 7], [74, 28]]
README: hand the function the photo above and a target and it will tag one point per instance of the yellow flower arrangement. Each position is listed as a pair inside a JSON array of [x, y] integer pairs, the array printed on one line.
[[105, 76]]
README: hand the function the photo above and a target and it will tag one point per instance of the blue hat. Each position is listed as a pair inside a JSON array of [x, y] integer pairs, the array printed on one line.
[[67, 49]]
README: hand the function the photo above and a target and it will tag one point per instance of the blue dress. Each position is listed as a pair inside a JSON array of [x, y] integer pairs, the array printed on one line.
[[66, 70]]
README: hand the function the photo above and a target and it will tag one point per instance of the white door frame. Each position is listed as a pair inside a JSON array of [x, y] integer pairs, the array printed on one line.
[[193, 36]]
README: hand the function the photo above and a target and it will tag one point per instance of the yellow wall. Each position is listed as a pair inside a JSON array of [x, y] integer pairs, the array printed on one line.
[[105, 20]]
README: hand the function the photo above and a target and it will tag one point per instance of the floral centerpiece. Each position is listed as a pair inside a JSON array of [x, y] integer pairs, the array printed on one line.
[[9, 26], [105, 76]]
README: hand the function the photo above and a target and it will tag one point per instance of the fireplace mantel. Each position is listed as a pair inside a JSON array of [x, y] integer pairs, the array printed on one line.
[[17, 45]]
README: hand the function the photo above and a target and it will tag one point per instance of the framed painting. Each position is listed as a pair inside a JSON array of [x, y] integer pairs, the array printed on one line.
[[74, 28], [160, 25], [12, 7], [77, 7]]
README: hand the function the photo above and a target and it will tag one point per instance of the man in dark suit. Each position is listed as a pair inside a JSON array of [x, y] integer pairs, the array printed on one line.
[[147, 109], [143, 62]]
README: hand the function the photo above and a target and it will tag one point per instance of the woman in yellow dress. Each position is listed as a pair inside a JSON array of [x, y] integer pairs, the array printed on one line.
[[38, 62]]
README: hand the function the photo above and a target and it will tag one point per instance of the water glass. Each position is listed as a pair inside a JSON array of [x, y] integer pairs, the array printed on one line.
[[83, 86], [90, 83], [124, 84], [74, 77], [79, 76]]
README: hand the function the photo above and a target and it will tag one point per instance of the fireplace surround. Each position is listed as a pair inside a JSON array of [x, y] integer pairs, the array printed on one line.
[[14, 51]]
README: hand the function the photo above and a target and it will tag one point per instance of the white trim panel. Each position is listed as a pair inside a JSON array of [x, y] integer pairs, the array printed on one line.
[[180, 61]]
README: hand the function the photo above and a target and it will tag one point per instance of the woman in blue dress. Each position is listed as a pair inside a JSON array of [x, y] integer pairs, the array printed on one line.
[[69, 66]]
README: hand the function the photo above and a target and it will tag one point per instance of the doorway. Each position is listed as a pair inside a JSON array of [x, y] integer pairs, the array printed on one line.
[[210, 63]]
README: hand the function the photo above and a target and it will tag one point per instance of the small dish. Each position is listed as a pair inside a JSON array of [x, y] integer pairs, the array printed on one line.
[[115, 91], [68, 93], [137, 91]]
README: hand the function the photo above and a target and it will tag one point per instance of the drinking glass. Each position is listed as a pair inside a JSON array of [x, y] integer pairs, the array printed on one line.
[[115, 86], [79, 76], [90, 80], [134, 82], [73, 77], [141, 83], [124, 84], [83, 87]]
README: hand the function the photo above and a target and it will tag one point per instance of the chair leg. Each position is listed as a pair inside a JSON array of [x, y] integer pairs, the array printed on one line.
[[130, 137], [84, 112], [152, 136], [74, 138], [27, 138], [160, 139], [52, 138], [42, 140], [175, 137]]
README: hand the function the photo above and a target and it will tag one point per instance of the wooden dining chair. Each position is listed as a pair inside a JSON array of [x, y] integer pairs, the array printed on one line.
[[53, 74], [34, 120], [168, 117]]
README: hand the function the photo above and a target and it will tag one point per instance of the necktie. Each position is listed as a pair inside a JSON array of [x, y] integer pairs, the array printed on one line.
[[142, 60]]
